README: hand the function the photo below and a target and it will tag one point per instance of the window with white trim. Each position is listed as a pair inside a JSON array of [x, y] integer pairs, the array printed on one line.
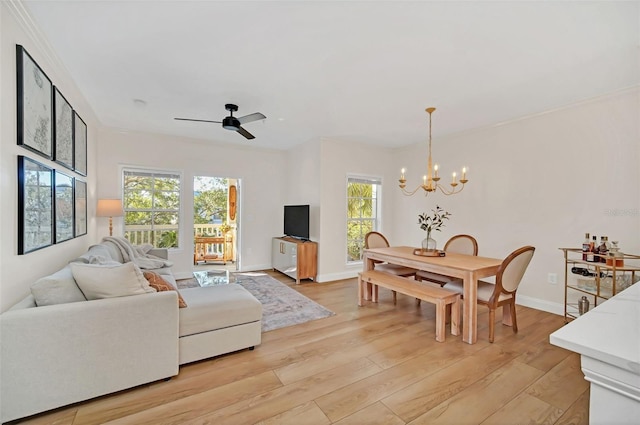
[[362, 213], [151, 201]]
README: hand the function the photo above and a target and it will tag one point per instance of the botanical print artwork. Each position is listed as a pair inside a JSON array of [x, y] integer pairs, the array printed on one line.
[[64, 207], [35, 203], [80, 145], [34, 106], [81, 207], [63, 131]]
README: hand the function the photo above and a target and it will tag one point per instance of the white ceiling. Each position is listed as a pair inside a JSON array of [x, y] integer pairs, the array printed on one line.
[[356, 71]]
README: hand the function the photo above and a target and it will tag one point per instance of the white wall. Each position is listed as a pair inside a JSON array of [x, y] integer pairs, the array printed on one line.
[[303, 183], [338, 160], [17, 272], [544, 181], [261, 192]]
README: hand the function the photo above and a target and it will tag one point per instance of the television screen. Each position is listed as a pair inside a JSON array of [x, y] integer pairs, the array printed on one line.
[[296, 221]]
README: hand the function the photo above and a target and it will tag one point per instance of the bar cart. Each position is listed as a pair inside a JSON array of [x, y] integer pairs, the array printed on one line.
[[596, 280]]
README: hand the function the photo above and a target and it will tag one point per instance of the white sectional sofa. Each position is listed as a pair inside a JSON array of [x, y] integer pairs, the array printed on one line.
[[58, 348]]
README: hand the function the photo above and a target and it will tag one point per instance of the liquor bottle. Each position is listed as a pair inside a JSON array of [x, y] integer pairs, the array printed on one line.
[[592, 249], [603, 249], [585, 246]]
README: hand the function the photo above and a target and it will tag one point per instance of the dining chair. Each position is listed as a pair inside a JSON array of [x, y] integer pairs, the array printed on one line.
[[378, 240], [503, 292], [460, 244]]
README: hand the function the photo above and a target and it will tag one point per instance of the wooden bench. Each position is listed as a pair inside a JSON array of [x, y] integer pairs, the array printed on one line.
[[433, 294]]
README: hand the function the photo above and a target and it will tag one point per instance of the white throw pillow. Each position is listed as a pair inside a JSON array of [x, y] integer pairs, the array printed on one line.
[[98, 281], [56, 288]]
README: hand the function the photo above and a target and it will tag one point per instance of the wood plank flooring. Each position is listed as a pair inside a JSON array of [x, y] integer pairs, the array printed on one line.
[[376, 364]]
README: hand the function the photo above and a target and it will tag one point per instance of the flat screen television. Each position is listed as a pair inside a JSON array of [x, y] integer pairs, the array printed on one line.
[[296, 221]]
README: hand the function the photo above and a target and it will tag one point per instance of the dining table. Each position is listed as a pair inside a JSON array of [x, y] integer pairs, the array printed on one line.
[[469, 268]]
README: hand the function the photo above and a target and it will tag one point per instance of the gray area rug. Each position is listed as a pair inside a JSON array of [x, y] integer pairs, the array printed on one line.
[[281, 305]]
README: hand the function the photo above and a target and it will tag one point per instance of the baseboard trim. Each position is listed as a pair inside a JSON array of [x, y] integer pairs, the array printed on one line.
[[538, 304], [330, 277], [256, 268], [523, 300]]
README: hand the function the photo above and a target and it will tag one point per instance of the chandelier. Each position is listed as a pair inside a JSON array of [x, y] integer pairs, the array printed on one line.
[[430, 181]]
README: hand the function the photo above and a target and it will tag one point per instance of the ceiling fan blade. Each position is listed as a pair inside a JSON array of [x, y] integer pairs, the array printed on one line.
[[191, 119], [251, 117], [245, 133]]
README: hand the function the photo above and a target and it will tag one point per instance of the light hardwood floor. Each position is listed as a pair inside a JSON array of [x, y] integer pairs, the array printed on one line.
[[376, 364]]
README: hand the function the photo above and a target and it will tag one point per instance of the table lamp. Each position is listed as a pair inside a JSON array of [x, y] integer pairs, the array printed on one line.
[[110, 208]]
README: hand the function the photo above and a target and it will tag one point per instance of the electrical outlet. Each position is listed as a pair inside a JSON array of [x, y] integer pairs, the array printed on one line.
[[552, 278]]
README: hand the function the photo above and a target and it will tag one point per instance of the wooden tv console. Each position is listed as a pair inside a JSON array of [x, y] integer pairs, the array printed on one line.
[[296, 258]]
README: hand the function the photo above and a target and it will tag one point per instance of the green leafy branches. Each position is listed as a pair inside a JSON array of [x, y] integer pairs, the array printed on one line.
[[434, 221]]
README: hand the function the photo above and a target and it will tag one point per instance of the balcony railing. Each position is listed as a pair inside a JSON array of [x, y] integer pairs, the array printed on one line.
[[139, 235], [212, 230], [217, 251]]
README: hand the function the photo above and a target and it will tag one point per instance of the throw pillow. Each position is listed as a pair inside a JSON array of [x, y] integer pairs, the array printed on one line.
[[159, 284], [98, 281], [56, 288]]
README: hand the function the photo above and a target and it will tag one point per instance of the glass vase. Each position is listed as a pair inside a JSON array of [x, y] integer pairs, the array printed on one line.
[[428, 244]]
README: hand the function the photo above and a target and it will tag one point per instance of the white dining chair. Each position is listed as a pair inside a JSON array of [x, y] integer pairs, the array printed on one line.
[[503, 292]]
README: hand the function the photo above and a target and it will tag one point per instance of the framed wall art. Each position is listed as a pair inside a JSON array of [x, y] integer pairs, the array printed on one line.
[[35, 106], [80, 202], [79, 145], [35, 205], [62, 130], [64, 207]]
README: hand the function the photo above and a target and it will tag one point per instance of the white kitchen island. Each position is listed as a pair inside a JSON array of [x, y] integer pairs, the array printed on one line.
[[608, 341]]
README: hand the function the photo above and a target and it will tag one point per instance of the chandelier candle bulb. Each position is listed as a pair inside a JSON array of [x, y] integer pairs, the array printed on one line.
[[435, 170], [464, 173], [402, 174], [453, 177]]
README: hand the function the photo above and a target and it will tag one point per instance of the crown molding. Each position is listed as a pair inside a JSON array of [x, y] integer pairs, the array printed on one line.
[[29, 26], [594, 99], [37, 44]]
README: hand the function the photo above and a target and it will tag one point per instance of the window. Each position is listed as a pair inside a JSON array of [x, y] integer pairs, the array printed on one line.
[[151, 207], [362, 213]]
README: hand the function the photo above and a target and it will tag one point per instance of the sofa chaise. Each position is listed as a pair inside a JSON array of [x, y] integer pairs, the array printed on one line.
[[59, 346]]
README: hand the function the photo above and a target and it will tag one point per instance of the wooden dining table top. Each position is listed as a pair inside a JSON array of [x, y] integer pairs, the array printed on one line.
[[451, 261]]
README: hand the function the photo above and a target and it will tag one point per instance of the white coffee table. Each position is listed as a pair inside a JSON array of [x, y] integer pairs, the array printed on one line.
[[214, 277]]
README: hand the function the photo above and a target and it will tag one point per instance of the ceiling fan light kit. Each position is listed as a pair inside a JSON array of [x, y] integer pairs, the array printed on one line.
[[430, 181], [232, 123]]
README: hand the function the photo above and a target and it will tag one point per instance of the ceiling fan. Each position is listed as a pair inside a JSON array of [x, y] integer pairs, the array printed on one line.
[[233, 123]]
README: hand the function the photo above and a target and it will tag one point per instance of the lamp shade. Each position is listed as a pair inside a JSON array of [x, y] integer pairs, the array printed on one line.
[[109, 208]]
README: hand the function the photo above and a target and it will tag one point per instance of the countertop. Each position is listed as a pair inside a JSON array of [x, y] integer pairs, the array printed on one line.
[[609, 332]]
